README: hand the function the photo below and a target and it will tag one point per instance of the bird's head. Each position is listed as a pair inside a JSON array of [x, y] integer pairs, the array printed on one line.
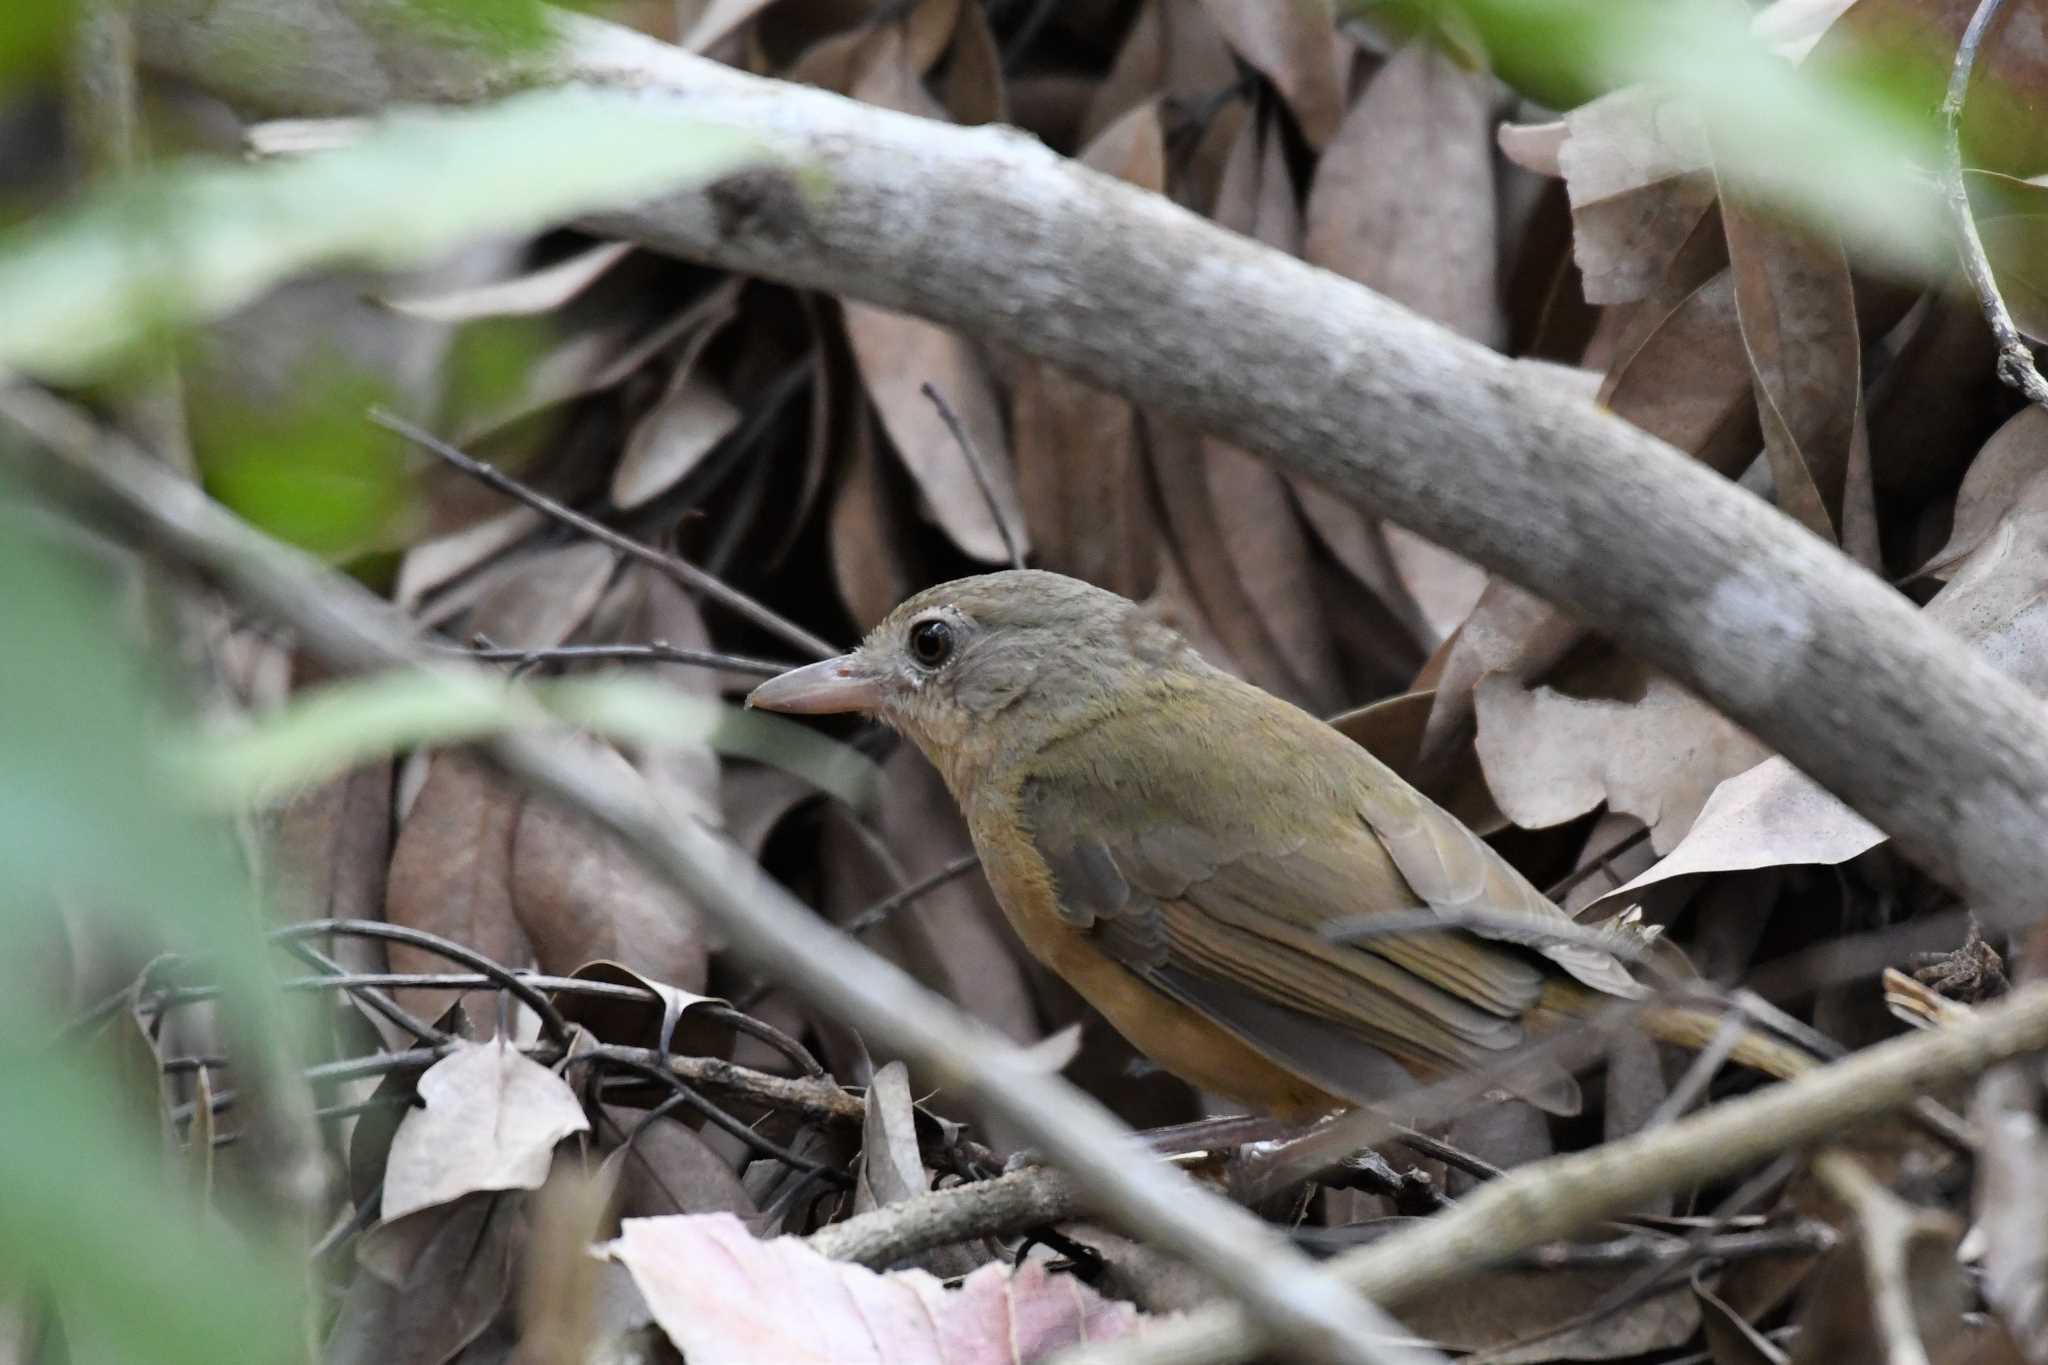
[[983, 669]]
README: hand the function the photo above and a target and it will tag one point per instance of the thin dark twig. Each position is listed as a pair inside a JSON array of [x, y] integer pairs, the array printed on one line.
[[978, 469], [550, 1018], [369, 997], [1705, 1066], [923, 886], [2016, 365], [1026, 34], [684, 572], [654, 651], [614, 1058], [1603, 863]]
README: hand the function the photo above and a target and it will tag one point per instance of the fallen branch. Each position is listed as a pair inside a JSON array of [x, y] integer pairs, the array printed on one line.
[[1548, 1200], [1003, 1207], [99, 476], [986, 230]]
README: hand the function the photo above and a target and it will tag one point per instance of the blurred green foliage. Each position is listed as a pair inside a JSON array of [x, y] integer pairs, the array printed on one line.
[[90, 817], [308, 469]]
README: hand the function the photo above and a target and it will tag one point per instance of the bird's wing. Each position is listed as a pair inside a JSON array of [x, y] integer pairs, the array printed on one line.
[[1210, 899]]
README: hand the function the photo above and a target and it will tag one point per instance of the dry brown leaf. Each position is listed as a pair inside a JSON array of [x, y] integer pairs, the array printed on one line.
[[1499, 1313], [545, 597], [430, 1284], [1079, 476], [1291, 45], [1797, 315], [2006, 472], [332, 848], [723, 1299], [1688, 382], [898, 354], [451, 875], [672, 437], [1635, 163], [538, 291], [489, 1120], [580, 895], [1508, 631], [1446, 586], [432, 563], [666, 1168], [1550, 758], [2012, 219], [1431, 240], [892, 1165], [868, 531], [1261, 534], [592, 354], [974, 78]]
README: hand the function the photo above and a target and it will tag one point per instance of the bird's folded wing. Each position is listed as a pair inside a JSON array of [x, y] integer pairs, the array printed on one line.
[[1228, 922]]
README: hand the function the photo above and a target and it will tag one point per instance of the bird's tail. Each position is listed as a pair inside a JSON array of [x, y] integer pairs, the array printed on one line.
[[1688, 1028]]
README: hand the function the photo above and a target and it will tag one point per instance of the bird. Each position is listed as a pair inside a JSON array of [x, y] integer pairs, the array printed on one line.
[[1175, 843]]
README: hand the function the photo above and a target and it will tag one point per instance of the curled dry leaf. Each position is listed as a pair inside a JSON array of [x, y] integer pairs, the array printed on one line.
[[723, 1299], [1772, 815], [683, 1015], [490, 1119], [1293, 46], [1550, 758], [1797, 314], [2005, 476], [1635, 164], [537, 291]]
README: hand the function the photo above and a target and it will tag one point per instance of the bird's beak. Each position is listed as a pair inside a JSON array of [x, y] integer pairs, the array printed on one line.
[[847, 683]]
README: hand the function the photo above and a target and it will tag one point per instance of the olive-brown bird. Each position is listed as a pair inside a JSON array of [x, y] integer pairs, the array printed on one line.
[[1172, 841]]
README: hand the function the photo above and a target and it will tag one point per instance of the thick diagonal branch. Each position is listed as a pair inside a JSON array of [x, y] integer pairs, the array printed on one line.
[[988, 231]]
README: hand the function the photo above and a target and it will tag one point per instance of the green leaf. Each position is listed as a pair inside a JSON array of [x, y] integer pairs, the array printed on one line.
[[330, 729], [82, 822], [195, 241]]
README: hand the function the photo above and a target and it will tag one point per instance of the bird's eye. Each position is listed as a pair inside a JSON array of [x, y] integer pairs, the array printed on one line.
[[931, 643]]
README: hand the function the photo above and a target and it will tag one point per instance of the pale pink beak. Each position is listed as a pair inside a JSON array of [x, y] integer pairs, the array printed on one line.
[[846, 683]]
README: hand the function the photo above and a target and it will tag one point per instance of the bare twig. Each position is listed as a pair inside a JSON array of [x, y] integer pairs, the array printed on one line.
[[1886, 1226], [979, 468], [1003, 1207], [684, 572], [655, 651], [2015, 358], [101, 477], [1548, 1200], [923, 886]]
